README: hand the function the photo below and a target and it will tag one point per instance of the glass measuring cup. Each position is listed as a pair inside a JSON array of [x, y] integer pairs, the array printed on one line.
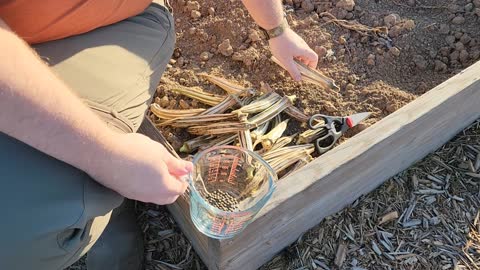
[[228, 187]]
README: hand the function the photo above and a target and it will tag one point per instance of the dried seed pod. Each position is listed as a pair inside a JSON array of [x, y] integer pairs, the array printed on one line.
[[310, 135], [297, 114], [300, 164], [312, 75], [258, 132], [220, 128], [282, 152], [222, 107], [204, 97], [166, 114], [261, 104], [283, 141], [284, 161], [271, 137], [199, 120], [229, 87], [271, 112], [220, 140], [193, 144]]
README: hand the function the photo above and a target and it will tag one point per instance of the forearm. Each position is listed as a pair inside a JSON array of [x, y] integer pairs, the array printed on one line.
[[38, 108], [267, 14]]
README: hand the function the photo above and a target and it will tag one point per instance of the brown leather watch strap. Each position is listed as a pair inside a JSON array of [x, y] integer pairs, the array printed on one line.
[[277, 31]]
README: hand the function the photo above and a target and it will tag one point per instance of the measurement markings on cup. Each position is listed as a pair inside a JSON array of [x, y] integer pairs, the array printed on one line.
[[213, 168], [233, 170]]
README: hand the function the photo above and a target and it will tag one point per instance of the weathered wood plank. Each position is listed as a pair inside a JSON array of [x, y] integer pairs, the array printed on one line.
[[356, 167]]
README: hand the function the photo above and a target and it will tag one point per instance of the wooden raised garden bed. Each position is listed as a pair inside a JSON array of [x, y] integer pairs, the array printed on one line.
[[343, 174]]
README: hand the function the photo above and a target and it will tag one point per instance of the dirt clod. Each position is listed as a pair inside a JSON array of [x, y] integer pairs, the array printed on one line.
[[458, 20], [420, 62], [391, 20], [308, 6], [204, 56], [394, 51], [440, 66], [464, 56], [211, 11], [468, 7], [248, 56], [395, 31], [371, 60], [195, 14], [183, 104], [254, 36], [347, 5], [444, 29], [193, 5], [450, 40], [321, 51], [164, 102], [225, 48]]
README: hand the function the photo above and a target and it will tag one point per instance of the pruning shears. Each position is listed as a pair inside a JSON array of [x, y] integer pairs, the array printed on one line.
[[334, 127]]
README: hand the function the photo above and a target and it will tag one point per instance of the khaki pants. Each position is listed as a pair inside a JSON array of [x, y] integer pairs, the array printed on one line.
[[52, 212]]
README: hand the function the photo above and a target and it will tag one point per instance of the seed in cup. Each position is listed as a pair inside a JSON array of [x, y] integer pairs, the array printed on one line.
[[222, 200]]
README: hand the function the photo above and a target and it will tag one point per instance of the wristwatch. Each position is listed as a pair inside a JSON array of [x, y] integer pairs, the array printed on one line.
[[277, 31]]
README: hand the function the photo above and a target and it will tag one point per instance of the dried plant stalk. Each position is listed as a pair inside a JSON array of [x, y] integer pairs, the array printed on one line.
[[271, 137], [300, 164], [221, 107], [284, 161], [259, 131], [276, 121], [204, 97], [260, 104], [271, 112], [245, 139], [166, 114], [283, 141], [297, 114], [228, 86], [224, 139], [281, 152], [191, 145], [355, 26], [199, 120], [310, 135], [311, 75], [220, 128]]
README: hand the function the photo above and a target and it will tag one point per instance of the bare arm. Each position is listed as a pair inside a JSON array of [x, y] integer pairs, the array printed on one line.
[[38, 108], [268, 14]]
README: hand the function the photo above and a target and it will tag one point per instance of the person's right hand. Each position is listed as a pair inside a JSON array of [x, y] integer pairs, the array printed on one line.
[[143, 170]]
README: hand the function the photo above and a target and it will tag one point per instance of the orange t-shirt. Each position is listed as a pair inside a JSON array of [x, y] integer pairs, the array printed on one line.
[[43, 20]]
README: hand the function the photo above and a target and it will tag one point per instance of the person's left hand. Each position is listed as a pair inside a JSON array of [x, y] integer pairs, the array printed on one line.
[[289, 46]]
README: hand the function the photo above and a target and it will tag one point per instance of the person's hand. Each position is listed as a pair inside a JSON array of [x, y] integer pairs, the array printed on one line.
[[143, 170], [289, 46]]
